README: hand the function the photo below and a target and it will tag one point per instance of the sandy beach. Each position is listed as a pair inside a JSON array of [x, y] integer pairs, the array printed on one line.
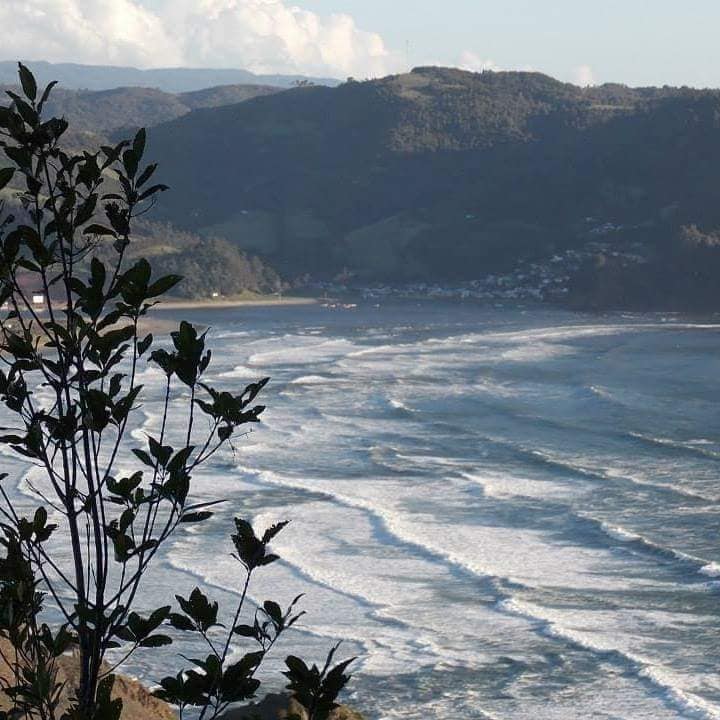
[[165, 322], [225, 302]]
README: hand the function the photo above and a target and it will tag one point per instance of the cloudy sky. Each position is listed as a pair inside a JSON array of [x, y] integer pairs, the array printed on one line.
[[632, 41]]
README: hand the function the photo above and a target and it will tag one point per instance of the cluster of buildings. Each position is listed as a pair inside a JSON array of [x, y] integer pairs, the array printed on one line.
[[538, 280], [530, 281]]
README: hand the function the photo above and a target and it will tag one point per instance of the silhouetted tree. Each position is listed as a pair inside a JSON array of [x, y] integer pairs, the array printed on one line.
[[72, 326]]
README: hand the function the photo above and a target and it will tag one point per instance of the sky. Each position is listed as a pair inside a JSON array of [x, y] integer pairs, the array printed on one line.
[[636, 42]]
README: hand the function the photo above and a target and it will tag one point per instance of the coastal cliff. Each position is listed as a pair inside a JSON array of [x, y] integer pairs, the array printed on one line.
[[138, 702]]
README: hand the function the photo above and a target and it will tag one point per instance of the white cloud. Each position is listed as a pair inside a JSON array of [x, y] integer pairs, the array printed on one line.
[[474, 63], [583, 76], [259, 35], [91, 31]]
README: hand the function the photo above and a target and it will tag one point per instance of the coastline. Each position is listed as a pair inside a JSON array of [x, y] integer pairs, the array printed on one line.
[[258, 301]]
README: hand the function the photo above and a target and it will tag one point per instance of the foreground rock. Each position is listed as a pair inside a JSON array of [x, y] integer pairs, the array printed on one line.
[[280, 707], [138, 703]]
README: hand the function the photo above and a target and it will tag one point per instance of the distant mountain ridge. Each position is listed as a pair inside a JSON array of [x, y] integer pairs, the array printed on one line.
[[98, 116], [74, 76]]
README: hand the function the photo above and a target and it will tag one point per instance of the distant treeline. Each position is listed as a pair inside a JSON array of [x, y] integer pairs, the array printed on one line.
[[208, 265], [682, 273]]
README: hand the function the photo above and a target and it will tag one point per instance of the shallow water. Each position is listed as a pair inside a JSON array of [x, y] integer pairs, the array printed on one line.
[[505, 513]]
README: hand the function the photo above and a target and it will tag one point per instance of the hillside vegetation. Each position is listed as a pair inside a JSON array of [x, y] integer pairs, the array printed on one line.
[[441, 173], [104, 116], [436, 175], [208, 265]]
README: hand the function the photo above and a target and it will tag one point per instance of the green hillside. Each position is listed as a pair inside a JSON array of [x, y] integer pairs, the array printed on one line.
[[99, 116], [441, 173], [433, 176], [208, 265]]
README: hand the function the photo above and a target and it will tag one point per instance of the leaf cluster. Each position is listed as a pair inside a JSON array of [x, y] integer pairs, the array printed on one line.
[[215, 682], [70, 384], [317, 690]]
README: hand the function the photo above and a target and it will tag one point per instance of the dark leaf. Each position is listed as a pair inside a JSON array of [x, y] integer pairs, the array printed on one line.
[[181, 622], [27, 80], [6, 175], [156, 641], [273, 530], [245, 631], [161, 286], [144, 457], [46, 94], [144, 344], [96, 229], [194, 517]]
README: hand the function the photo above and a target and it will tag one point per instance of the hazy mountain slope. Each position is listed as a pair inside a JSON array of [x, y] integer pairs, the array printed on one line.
[[96, 116], [225, 95], [208, 265], [443, 172], [175, 80]]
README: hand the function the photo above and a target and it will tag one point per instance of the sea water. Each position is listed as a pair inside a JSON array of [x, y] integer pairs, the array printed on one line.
[[503, 513]]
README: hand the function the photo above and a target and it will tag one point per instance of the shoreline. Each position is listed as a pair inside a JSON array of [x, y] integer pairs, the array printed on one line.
[[270, 301]]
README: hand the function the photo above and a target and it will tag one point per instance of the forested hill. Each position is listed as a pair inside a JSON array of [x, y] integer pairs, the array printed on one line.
[[98, 117], [209, 265], [439, 172]]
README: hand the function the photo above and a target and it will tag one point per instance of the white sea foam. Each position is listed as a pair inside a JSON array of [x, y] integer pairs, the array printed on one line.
[[438, 460], [601, 392], [312, 380], [699, 446], [397, 563], [32, 480], [623, 535], [230, 334], [520, 555], [548, 334], [711, 570], [516, 346], [301, 350], [691, 704], [587, 466], [334, 613], [498, 389], [535, 352], [505, 486], [483, 551], [242, 372], [671, 684], [400, 405], [677, 489]]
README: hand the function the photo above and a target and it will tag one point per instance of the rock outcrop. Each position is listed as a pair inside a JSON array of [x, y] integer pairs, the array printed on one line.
[[138, 702], [280, 707]]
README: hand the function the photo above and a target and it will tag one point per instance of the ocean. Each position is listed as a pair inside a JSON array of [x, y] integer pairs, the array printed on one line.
[[502, 513]]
